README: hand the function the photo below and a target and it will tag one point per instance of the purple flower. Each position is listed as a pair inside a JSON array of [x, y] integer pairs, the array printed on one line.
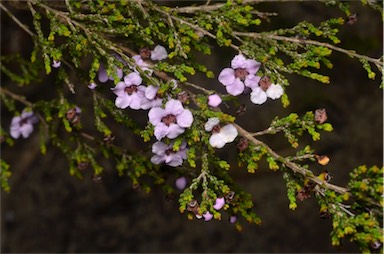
[[207, 216], [56, 64], [129, 93], [165, 153], [240, 75], [232, 219], [92, 86], [214, 100], [151, 98], [181, 182], [158, 53], [221, 135], [219, 203], [171, 121], [23, 124]]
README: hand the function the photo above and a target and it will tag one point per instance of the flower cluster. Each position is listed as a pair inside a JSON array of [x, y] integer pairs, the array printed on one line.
[[242, 75]]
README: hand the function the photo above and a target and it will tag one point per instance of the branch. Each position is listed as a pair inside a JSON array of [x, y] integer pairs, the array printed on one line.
[[23, 26], [295, 167], [208, 8], [377, 62]]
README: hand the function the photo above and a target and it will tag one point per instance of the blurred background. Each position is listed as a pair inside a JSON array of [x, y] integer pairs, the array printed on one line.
[[47, 210]]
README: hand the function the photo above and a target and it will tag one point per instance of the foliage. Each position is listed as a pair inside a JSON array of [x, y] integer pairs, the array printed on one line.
[[85, 36]]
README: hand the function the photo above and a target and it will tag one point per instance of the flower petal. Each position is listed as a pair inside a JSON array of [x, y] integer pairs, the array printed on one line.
[[252, 81], [135, 101], [174, 130], [102, 74], [157, 159], [159, 53], [258, 96], [207, 216], [151, 91], [252, 66], [239, 61], [119, 89], [185, 119], [236, 88], [227, 76], [216, 140], [175, 162], [133, 79], [26, 130], [214, 100], [219, 203], [174, 107], [275, 91], [212, 122], [228, 133], [159, 148], [155, 115], [123, 101], [161, 130]]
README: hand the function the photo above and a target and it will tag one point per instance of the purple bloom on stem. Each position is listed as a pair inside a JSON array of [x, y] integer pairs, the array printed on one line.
[[181, 182], [232, 219], [56, 64], [165, 153], [241, 74], [171, 121], [207, 216], [92, 86], [219, 203], [159, 53], [129, 93], [23, 124], [214, 100], [102, 74]]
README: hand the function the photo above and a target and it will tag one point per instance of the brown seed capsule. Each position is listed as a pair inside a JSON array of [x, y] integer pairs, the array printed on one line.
[[229, 197], [193, 206], [352, 19], [320, 115], [73, 115], [97, 178], [183, 97], [322, 159], [145, 53], [242, 144], [241, 109], [82, 165], [303, 194], [265, 83], [375, 245]]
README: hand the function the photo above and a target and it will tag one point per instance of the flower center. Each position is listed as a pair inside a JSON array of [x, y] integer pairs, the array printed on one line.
[[131, 89], [216, 129], [241, 73], [145, 53], [169, 151], [169, 119], [265, 83], [23, 121]]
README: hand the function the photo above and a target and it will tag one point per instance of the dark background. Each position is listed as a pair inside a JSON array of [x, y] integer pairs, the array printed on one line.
[[47, 210]]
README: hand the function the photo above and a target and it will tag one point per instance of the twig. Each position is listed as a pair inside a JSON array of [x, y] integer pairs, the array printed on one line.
[[208, 8], [23, 26]]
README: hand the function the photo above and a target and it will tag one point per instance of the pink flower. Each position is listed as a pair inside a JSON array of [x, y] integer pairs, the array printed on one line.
[[207, 216], [157, 54], [129, 93], [92, 86], [23, 124], [214, 100], [171, 121], [241, 74], [219, 203], [165, 153]]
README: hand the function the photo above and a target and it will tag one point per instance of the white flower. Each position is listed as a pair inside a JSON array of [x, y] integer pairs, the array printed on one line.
[[221, 135], [274, 91]]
